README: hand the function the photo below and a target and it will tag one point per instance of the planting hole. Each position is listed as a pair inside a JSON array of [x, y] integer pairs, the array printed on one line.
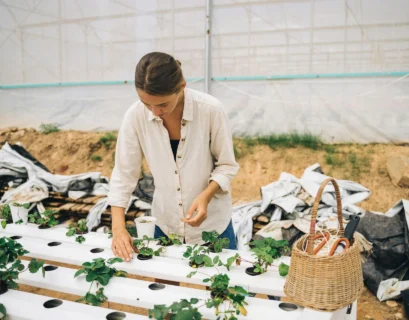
[[97, 250], [156, 286], [288, 306], [116, 316], [54, 244], [16, 237], [54, 303], [50, 268]]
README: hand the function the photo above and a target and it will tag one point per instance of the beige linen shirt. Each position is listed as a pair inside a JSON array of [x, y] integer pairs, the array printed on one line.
[[205, 153]]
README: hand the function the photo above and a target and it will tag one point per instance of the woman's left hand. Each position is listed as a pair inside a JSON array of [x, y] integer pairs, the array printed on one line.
[[200, 206]]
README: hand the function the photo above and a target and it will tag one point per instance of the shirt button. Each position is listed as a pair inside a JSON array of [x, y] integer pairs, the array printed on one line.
[[180, 204], [179, 157], [183, 139], [178, 189], [176, 172]]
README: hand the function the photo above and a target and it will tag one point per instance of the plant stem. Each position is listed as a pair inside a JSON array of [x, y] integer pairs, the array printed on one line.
[[89, 290], [241, 259], [204, 273]]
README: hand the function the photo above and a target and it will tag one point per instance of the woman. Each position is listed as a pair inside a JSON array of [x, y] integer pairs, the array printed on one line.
[[185, 137]]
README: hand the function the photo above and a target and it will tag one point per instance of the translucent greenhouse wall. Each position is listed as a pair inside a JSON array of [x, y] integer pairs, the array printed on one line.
[[339, 68]]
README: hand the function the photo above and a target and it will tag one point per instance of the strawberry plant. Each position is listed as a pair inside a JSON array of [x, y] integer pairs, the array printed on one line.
[[11, 266], [227, 300], [5, 213], [266, 251], [232, 298], [170, 240], [78, 228], [80, 239], [213, 241], [99, 271], [182, 310], [197, 255], [45, 220], [141, 246]]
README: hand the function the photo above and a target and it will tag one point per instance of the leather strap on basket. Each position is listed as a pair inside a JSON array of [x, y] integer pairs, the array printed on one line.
[[310, 247]]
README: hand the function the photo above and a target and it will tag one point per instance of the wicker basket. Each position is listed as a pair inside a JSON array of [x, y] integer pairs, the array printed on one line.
[[324, 282]]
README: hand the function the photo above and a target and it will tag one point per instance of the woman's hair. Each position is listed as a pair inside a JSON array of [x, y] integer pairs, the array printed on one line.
[[159, 74]]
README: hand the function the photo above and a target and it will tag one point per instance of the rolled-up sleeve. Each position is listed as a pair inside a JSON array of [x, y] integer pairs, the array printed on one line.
[[221, 147], [128, 162]]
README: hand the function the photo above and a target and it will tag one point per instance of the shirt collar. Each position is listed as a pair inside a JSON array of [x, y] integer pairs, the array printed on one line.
[[187, 108]]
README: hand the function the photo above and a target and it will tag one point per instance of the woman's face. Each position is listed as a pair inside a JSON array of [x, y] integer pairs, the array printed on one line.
[[161, 106]]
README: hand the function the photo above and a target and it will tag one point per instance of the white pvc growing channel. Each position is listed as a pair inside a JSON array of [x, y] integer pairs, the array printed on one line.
[[53, 244], [28, 306]]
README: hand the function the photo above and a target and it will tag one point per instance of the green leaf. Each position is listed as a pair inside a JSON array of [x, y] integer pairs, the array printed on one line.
[[80, 271], [4, 224], [191, 274], [114, 260], [70, 232], [26, 205], [80, 239], [208, 261], [3, 311], [283, 269], [120, 273], [158, 312], [103, 279], [92, 299], [12, 285], [35, 265], [238, 290], [91, 276], [209, 236]]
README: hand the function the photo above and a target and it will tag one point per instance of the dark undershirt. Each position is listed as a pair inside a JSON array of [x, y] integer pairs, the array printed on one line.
[[174, 145]]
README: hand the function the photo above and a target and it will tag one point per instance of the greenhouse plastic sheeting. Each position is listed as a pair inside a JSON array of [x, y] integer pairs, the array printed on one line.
[[354, 110], [78, 41]]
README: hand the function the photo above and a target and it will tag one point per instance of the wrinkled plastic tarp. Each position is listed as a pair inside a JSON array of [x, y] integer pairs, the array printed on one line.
[[14, 164], [291, 198], [389, 235]]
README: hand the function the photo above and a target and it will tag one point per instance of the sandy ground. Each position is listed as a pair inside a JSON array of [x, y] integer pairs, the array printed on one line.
[[70, 152]]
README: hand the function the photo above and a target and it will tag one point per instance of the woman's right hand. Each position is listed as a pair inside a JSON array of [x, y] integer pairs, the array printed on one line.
[[122, 244]]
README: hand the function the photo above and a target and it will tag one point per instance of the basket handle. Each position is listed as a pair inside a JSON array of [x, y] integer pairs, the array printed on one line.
[[310, 247]]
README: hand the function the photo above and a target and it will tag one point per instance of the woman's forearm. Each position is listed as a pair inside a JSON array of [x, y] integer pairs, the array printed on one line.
[[118, 218], [211, 190]]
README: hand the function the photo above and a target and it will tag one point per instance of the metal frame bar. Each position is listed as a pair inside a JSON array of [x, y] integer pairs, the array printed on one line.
[[234, 78], [208, 47]]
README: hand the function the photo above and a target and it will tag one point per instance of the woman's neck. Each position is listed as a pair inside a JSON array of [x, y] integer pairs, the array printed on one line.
[[178, 112]]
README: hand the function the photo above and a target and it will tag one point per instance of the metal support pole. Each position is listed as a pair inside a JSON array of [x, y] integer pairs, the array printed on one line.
[[208, 48]]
